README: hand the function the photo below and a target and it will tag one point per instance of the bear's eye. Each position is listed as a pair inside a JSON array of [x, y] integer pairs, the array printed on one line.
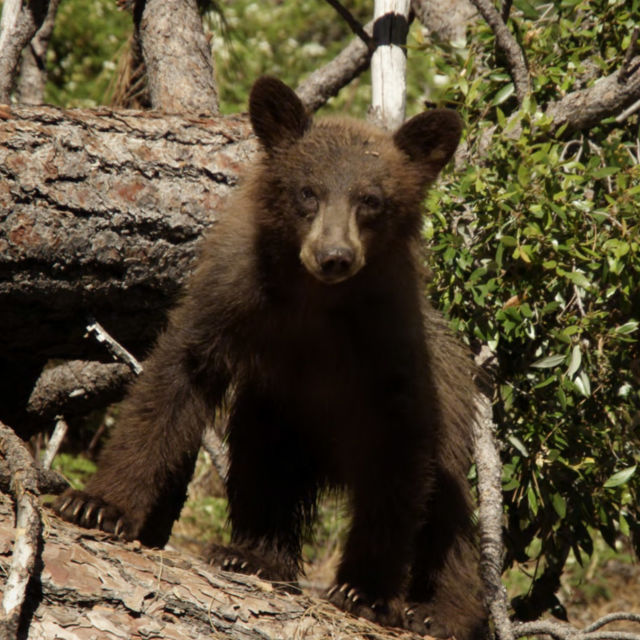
[[371, 203], [308, 201]]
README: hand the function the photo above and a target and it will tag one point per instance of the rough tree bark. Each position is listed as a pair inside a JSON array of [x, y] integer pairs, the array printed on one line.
[[20, 21], [177, 57], [33, 71], [91, 586], [100, 212]]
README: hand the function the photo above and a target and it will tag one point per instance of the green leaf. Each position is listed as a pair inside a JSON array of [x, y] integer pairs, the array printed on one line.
[[604, 172], [559, 504], [504, 94], [620, 477], [579, 279], [549, 361], [519, 445], [574, 361], [627, 328]]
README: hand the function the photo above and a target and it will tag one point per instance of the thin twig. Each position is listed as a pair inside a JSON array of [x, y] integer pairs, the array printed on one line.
[[24, 487], [506, 10], [114, 347], [354, 24], [629, 111], [510, 47], [55, 441], [623, 72], [564, 631], [612, 617]]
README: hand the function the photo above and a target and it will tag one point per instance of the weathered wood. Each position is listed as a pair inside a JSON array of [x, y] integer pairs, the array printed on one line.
[[100, 213], [90, 586], [178, 58]]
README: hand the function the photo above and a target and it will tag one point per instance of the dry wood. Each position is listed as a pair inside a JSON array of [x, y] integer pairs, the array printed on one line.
[[389, 63], [33, 70], [92, 586], [177, 56], [76, 387], [100, 213], [608, 96], [489, 470], [26, 538], [20, 21], [326, 81], [510, 47]]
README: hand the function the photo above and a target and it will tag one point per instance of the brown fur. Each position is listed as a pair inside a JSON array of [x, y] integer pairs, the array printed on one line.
[[307, 301]]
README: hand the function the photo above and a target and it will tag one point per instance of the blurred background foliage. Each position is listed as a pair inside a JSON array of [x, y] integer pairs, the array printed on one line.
[[534, 236]]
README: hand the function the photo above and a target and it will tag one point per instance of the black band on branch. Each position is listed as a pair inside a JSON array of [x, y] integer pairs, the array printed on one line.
[[391, 28]]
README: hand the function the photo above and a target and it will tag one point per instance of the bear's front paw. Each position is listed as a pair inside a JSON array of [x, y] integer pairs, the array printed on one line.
[[274, 567], [93, 513], [420, 618], [353, 600]]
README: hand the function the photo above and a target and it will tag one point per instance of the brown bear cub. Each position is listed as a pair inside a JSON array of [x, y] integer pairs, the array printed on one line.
[[306, 310]]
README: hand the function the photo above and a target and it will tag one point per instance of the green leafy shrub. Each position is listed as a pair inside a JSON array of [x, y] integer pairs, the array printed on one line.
[[536, 245]]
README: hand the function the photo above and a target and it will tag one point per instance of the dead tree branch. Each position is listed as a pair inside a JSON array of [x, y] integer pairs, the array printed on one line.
[[354, 25], [326, 81], [20, 21], [113, 346], [100, 214], [510, 47], [177, 58], [55, 441], [33, 70], [491, 518], [24, 488], [563, 631], [77, 387], [48, 481], [607, 97]]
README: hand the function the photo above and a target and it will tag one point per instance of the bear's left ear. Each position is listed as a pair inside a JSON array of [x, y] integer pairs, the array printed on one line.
[[430, 139], [277, 115]]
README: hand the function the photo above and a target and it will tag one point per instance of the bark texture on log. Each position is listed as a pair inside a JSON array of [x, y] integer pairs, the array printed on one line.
[[90, 586], [100, 213]]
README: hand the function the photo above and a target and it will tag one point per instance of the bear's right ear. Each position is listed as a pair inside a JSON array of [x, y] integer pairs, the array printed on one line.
[[277, 115]]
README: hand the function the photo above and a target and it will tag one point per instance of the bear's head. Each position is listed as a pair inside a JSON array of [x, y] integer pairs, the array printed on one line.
[[345, 190]]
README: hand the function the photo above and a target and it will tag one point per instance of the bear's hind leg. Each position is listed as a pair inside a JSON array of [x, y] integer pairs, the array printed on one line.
[[445, 594]]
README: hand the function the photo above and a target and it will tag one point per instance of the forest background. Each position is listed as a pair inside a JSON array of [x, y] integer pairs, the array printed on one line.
[[533, 239]]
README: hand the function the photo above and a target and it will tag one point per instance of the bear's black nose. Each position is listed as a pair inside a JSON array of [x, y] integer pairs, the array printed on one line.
[[336, 261]]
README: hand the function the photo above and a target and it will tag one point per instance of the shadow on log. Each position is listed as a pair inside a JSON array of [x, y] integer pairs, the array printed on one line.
[[100, 215], [100, 212]]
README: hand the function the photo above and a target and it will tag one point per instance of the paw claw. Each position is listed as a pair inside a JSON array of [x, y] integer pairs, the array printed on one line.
[[332, 591], [100, 517], [65, 504], [76, 509], [88, 511], [344, 587], [119, 527]]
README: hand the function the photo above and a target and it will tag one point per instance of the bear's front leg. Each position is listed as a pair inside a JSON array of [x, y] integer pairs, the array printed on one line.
[[271, 487]]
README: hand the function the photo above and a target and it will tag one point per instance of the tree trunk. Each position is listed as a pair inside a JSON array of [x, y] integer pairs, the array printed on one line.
[[89, 586], [100, 213], [177, 57]]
